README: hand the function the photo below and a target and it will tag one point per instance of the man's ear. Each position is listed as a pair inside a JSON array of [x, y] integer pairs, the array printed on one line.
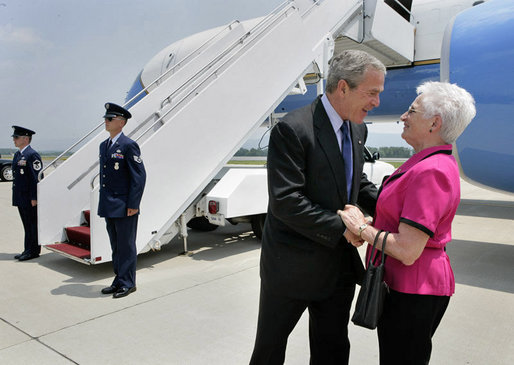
[[342, 86]]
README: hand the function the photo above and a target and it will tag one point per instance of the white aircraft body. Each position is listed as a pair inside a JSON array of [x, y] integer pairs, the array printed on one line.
[[204, 95]]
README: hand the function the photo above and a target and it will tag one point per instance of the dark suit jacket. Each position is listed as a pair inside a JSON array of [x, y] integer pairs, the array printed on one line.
[[25, 168], [122, 178], [304, 254]]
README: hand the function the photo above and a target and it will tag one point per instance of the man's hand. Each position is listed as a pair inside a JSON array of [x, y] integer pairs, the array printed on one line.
[[353, 239], [33, 202], [131, 212]]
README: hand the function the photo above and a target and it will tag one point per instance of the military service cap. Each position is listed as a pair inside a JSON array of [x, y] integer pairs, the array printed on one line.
[[20, 131], [112, 110]]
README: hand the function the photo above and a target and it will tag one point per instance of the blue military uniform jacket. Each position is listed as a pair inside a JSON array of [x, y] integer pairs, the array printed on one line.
[[25, 168], [122, 178]]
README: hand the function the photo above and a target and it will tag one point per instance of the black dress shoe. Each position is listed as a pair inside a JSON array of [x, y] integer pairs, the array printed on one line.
[[109, 290], [123, 292], [16, 257], [27, 256]]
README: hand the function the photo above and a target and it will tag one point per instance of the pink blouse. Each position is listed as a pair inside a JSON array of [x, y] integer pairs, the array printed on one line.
[[424, 193]]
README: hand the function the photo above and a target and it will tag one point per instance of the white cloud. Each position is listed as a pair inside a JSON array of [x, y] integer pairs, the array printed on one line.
[[21, 36]]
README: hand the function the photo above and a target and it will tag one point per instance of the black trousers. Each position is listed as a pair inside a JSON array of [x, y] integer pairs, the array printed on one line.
[[406, 327], [328, 327], [122, 234], [28, 215]]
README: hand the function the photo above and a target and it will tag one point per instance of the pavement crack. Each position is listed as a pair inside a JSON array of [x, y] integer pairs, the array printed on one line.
[[37, 339]]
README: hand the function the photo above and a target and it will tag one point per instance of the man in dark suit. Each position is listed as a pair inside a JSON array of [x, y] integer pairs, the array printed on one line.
[[315, 167], [122, 181], [26, 165]]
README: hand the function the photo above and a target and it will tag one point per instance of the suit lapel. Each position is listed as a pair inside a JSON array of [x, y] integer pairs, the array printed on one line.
[[103, 148], [16, 157], [328, 143]]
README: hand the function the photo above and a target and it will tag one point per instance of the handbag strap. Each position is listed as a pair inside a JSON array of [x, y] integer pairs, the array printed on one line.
[[384, 256], [374, 249]]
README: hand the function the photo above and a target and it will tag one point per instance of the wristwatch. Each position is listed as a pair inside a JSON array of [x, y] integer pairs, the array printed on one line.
[[362, 228]]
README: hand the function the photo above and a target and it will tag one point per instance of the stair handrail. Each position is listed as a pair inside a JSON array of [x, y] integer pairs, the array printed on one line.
[[404, 8], [221, 55], [168, 224], [203, 45], [278, 12]]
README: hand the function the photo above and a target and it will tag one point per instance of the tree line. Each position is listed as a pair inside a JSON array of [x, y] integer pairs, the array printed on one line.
[[393, 152]]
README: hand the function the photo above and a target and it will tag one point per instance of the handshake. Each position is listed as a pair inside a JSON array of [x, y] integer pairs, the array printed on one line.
[[355, 223]]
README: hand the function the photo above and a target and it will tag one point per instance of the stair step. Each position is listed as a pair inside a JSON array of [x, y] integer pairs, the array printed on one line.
[[80, 236], [74, 252], [87, 214]]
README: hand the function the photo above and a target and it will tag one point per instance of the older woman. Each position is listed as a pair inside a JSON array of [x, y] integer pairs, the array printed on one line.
[[417, 204]]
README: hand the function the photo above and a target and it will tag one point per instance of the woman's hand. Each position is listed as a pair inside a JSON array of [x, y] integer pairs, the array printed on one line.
[[352, 218]]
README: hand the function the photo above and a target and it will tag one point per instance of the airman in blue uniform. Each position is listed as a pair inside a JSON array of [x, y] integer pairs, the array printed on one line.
[[26, 165], [122, 181]]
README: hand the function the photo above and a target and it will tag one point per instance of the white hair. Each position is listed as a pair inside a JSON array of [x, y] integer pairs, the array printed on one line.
[[453, 104]]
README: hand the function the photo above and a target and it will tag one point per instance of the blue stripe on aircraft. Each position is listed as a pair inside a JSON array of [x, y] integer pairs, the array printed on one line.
[[136, 88], [481, 54], [400, 91]]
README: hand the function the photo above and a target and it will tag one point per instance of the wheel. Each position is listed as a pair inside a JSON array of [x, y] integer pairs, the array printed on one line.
[[201, 224], [6, 173], [258, 224]]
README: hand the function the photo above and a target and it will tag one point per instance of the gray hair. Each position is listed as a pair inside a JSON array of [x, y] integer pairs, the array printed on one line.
[[351, 65], [455, 105]]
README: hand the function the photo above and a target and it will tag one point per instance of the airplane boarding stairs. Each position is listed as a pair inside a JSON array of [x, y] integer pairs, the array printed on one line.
[[190, 124]]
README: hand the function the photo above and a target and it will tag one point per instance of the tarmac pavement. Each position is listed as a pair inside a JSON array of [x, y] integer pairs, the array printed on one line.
[[202, 308]]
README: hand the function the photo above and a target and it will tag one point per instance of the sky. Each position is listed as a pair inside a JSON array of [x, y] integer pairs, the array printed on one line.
[[61, 60]]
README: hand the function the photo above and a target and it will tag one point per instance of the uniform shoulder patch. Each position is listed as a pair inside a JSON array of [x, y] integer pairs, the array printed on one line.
[[137, 159], [36, 165]]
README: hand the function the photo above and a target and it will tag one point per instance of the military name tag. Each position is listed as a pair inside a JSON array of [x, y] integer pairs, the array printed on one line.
[[116, 165]]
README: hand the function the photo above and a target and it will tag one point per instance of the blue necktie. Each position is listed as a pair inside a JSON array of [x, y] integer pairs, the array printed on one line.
[[347, 156]]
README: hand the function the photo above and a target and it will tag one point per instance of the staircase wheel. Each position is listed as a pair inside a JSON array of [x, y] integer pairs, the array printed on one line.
[[258, 225], [201, 224]]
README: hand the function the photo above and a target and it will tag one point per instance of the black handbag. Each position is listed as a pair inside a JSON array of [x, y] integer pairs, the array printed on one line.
[[370, 301]]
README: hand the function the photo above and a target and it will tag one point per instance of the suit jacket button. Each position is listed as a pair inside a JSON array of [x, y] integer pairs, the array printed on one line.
[[103, 185]]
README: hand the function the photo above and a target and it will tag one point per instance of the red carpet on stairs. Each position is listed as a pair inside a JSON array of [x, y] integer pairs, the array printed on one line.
[[80, 236], [78, 245], [86, 217], [70, 250]]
